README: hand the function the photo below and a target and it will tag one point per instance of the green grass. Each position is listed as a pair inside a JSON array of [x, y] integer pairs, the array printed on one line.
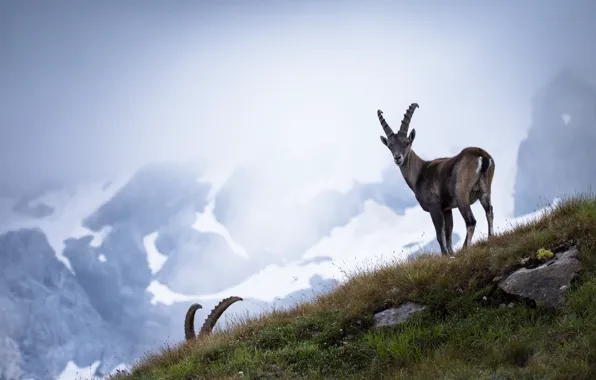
[[462, 334]]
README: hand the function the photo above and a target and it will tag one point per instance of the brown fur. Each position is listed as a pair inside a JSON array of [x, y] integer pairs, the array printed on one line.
[[212, 318], [443, 184]]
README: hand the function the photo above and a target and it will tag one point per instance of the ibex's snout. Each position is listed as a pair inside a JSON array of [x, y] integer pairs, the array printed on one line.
[[399, 159]]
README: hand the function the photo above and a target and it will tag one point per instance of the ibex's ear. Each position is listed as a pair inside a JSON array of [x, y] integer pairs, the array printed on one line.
[[412, 135], [384, 140]]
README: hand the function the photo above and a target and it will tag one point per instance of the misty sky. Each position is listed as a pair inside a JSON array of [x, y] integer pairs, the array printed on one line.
[[89, 90]]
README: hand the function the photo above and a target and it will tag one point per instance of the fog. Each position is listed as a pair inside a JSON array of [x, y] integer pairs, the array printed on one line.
[[290, 88]]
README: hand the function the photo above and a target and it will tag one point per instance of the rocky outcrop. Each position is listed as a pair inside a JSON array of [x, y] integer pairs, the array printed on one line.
[[547, 283], [396, 315], [102, 311], [47, 318], [554, 158]]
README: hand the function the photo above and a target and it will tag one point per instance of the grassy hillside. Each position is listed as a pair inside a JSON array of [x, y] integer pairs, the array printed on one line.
[[462, 334]]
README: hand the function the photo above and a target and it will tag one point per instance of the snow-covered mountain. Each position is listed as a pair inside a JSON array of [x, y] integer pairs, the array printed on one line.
[[105, 271]]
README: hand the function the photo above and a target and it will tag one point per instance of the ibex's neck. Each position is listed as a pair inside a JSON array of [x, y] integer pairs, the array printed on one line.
[[411, 169]]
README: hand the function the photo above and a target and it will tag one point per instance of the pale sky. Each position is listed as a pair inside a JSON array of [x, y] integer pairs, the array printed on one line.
[[291, 88]]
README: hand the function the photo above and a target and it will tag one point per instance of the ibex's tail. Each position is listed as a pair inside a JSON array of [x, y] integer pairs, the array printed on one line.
[[405, 123], [189, 321], [212, 318]]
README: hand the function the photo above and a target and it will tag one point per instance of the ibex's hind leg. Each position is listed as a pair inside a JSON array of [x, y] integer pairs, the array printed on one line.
[[466, 213], [448, 215], [439, 222], [488, 209]]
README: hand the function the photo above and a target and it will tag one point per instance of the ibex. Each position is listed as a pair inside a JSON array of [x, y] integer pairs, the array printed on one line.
[[209, 324], [443, 184]]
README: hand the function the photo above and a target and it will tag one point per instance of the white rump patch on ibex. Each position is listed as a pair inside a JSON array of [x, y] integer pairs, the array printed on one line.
[[479, 165]]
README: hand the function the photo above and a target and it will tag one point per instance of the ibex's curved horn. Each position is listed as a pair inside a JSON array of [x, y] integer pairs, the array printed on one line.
[[405, 123], [384, 124], [189, 321], [217, 311]]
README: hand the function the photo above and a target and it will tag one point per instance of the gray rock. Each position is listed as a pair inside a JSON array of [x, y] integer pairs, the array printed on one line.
[[545, 284], [44, 310], [397, 315]]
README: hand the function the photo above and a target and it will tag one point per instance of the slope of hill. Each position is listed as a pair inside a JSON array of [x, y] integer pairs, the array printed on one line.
[[469, 327]]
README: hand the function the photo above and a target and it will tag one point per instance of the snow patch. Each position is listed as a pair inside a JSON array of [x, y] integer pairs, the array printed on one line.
[[102, 258], [155, 259], [163, 294], [71, 207], [206, 222], [72, 372]]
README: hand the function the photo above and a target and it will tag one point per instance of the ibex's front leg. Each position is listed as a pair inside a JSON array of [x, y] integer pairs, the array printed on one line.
[[439, 221]]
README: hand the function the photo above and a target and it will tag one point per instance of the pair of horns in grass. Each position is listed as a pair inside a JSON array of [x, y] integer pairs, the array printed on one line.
[[212, 318]]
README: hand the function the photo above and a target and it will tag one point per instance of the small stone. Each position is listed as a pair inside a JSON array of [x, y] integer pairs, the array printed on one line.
[[396, 315]]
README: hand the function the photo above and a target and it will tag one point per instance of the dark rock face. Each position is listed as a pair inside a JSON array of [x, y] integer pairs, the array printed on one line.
[[47, 318], [557, 156], [102, 311]]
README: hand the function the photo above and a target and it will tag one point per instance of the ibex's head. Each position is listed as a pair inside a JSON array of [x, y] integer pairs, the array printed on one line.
[[399, 143]]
